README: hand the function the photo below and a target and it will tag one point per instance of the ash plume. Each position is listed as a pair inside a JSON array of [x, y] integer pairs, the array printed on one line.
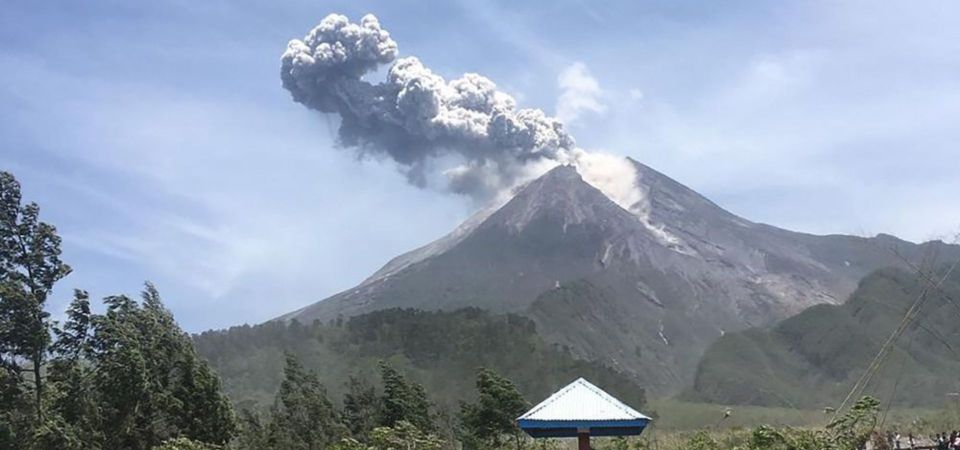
[[420, 120]]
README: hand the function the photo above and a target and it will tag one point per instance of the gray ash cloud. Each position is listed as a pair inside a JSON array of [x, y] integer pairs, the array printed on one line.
[[415, 116]]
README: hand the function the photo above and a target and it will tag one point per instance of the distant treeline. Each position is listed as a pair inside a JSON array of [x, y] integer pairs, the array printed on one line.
[[439, 349]]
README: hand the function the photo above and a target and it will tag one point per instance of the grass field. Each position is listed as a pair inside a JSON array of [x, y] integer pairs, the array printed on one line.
[[677, 415]]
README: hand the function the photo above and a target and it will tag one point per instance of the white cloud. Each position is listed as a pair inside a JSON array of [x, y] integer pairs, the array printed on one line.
[[840, 128], [580, 93]]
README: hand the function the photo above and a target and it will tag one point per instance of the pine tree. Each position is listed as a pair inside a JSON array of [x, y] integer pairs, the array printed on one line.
[[361, 408], [420, 409], [302, 417], [403, 401], [122, 379], [74, 396], [495, 412], [151, 384], [252, 432], [129, 378], [205, 413]]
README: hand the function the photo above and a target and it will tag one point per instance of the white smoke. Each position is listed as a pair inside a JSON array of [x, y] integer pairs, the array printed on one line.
[[613, 175], [417, 117], [580, 93]]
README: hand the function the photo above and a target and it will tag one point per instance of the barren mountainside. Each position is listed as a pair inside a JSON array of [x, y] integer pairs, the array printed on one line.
[[644, 290]]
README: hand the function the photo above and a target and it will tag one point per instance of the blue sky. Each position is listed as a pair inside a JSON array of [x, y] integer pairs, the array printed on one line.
[[157, 138]]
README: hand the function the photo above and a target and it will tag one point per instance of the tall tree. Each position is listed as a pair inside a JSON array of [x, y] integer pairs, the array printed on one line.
[[29, 267], [151, 384], [129, 378], [121, 377], [403, 400], [361, 408], [70, 376], [495, 411], [303, 417]]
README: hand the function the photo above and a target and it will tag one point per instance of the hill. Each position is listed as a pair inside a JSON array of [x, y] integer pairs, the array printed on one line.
[[441, 350], [815, 357], [646, 288]]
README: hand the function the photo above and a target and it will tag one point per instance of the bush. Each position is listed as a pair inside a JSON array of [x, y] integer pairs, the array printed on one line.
[[186, 444]]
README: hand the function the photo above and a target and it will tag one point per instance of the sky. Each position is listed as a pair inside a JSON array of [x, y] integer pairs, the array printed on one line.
[[157, 137]]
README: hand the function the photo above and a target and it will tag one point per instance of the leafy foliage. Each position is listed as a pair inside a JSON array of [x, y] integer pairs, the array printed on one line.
[[186, 444], [128, 378], [361, 408], [403, 435], [150, 384], [403, 401], [853, 428], [303, 417], [29, 267], [494, 413]]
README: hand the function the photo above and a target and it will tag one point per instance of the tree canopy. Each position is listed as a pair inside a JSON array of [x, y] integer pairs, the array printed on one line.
[[128, 378]]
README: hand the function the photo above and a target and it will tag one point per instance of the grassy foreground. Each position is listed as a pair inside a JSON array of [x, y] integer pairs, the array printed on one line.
[[674, 415], [678, 415]]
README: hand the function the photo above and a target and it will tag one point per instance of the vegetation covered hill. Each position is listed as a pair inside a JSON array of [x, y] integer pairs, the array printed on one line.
[[441, 350], [815, 357]]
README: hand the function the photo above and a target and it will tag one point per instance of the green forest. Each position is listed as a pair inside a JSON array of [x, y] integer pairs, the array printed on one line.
[[811, 359], [442, 350]]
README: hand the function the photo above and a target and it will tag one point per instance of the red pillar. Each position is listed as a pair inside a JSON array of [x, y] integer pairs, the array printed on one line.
[[583, 441]]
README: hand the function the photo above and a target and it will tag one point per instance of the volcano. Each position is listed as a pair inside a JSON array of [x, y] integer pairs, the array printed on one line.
[[644, 289]]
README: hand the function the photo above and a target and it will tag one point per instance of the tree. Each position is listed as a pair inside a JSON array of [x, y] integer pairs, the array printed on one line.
[[252, 434], [29, 267], [190, 393], [405, 435], [129, 378], [186, 444], [122, 381], [361, 408], [403, 401], [852, 430], [74, 400], [495, 411], [151, 384], [302, 417]]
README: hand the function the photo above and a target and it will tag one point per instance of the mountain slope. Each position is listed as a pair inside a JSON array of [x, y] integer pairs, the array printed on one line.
[[646, 290], [813, 358], [442, 350]]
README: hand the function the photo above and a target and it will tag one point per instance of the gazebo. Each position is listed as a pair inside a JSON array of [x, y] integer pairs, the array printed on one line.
[[582, 410]]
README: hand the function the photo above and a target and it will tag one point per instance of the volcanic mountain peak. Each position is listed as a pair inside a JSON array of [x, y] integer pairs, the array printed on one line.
[[645, 289], [561, 195]]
